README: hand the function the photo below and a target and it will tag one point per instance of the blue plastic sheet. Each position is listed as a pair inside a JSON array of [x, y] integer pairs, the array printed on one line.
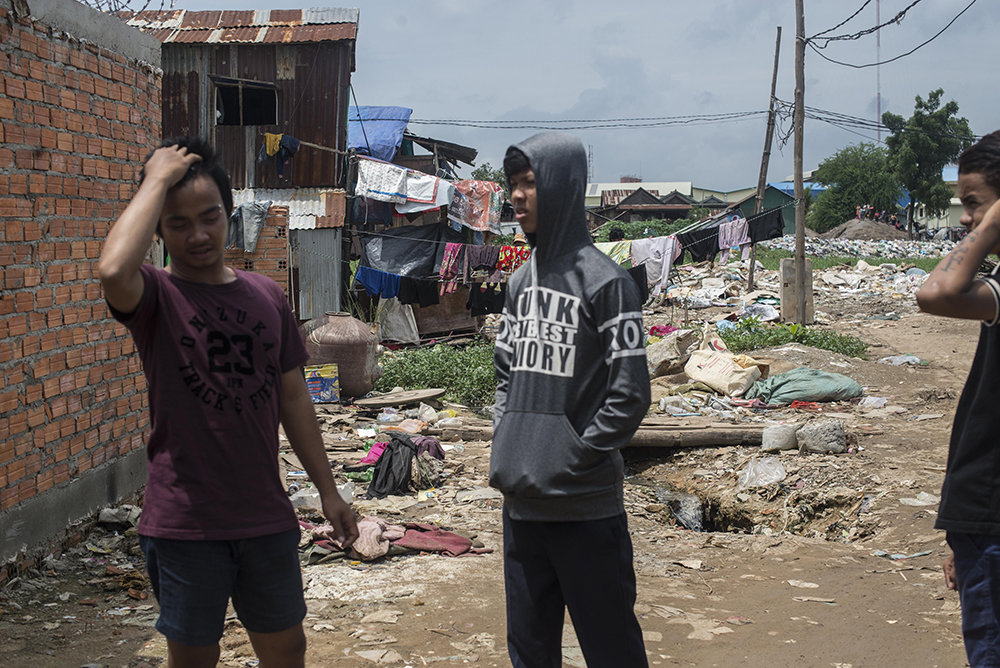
[[376, 131]]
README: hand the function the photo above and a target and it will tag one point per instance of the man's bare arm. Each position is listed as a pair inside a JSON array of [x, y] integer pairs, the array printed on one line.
[[130, 237], [952, 289], [298, 417]]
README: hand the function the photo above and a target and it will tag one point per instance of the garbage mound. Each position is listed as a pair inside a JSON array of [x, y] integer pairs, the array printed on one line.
[[886, 248], [864, 229]]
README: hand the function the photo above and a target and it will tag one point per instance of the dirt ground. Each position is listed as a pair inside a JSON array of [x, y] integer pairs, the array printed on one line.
[[796, 573]]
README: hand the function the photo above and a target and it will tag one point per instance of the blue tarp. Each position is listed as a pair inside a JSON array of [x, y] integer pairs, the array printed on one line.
[[382, 133]]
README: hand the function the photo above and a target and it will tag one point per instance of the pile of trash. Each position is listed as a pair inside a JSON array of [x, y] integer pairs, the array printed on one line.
[[864, 278], [887, 248]]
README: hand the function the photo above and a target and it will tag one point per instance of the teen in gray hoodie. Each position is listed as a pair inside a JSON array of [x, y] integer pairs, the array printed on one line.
[[572, 389]]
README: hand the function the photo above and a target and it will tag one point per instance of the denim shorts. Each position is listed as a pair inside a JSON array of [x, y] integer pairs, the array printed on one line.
[[977, 571], [193, 581]]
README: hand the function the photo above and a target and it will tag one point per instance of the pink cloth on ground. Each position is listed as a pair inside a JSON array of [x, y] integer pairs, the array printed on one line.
[[373, 454], [429, 538]]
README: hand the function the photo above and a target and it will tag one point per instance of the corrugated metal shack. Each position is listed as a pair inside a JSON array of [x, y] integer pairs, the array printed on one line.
[[233, 76]]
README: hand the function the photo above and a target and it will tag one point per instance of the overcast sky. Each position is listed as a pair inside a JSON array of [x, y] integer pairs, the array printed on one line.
[[561, 59]]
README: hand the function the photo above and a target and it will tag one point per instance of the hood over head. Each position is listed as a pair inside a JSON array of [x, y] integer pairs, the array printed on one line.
[[559, 162]]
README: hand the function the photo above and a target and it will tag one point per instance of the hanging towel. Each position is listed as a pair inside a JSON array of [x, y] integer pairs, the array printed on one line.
[[619, 251], [703, 244], [381, 180], [418, 291], [768, 225], [731, 234], [657, 255], [479, 257], [272, 142], [450, 264], [378, 283], [445, 191]]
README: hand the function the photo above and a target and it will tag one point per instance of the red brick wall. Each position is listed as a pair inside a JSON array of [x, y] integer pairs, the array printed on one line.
[[270, 256], [77, 120]]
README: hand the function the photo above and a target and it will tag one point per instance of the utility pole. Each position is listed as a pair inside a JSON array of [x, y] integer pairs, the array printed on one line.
[[878, 72], [798, 121], [766, 156]]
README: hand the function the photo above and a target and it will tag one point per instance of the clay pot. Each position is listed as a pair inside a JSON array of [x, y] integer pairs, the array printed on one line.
[[341, 339]]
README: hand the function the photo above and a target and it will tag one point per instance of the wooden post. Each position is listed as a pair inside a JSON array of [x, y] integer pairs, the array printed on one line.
[[798, 122], [765, 157]]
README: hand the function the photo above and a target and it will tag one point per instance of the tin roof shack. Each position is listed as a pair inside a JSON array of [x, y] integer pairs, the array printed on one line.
[[235, 76]]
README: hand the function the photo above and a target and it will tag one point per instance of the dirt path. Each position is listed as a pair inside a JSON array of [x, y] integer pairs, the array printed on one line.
[[801, 585]]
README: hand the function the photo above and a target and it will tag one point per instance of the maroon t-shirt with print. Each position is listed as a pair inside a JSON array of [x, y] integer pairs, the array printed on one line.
[[214, 356]]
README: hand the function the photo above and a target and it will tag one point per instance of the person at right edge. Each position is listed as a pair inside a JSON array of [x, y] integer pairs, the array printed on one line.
[[970, 497], [572, 387]]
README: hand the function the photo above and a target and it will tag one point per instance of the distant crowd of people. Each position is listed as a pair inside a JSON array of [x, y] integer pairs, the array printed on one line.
[[867, 211]]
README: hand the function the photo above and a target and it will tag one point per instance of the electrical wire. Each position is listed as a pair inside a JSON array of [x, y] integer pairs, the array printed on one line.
[[891, 60], [861, 33], [595, 124], [845, 21]]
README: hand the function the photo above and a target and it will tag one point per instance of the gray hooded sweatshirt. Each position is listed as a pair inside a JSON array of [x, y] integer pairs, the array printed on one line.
[[572, 383]]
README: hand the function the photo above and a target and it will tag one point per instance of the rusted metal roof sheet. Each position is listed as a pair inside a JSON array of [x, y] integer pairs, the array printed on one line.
[[270, 26], [308, 208]]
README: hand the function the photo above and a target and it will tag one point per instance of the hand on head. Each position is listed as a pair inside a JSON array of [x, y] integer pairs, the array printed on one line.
[[169, 164]]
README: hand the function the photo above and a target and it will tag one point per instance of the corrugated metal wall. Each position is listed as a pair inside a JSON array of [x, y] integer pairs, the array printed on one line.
[[313, 94], [317, 254]]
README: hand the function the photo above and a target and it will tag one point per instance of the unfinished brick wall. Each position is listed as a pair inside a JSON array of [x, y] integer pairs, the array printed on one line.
[[270, 256], [77, 120]]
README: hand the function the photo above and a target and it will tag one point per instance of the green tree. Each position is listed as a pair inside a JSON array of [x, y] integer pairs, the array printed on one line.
[[919, 147], [854, 175], [485, 172]]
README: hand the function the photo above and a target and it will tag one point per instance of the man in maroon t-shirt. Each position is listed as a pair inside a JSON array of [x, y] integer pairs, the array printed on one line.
[[223, 359]]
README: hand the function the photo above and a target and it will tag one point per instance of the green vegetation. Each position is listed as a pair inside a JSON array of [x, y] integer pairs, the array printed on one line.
[[920, 146], [771, 259], [857, 174], [642, 229], [486, 172], [466, 373], [751, 334]]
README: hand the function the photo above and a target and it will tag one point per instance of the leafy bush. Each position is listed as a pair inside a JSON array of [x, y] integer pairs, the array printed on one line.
[[642, 229], [465, 373], [752, 334]]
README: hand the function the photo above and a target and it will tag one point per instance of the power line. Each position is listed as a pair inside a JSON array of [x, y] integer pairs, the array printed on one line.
[[594, 124], [902, 55], [860, 9], [861, 33]]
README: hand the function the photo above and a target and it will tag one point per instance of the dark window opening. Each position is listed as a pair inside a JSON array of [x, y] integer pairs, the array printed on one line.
[[239, 102]]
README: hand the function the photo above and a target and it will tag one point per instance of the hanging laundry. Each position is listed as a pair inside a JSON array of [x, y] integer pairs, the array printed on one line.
[[766, 226], [638, 275], [287, 147], [450, 264], [245, 224], [703, 244], [657, 255], [418, 291], [378, 283], [486, 298], [478, 258], [512, 257], [442, 197], [733, 233], [477, 204], [381, 180], [272, 142], [619, 251]]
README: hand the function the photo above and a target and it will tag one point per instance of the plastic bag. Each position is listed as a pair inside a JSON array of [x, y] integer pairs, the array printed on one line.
[[426, 413], [396, 322], [766, 471], [715, 366]]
